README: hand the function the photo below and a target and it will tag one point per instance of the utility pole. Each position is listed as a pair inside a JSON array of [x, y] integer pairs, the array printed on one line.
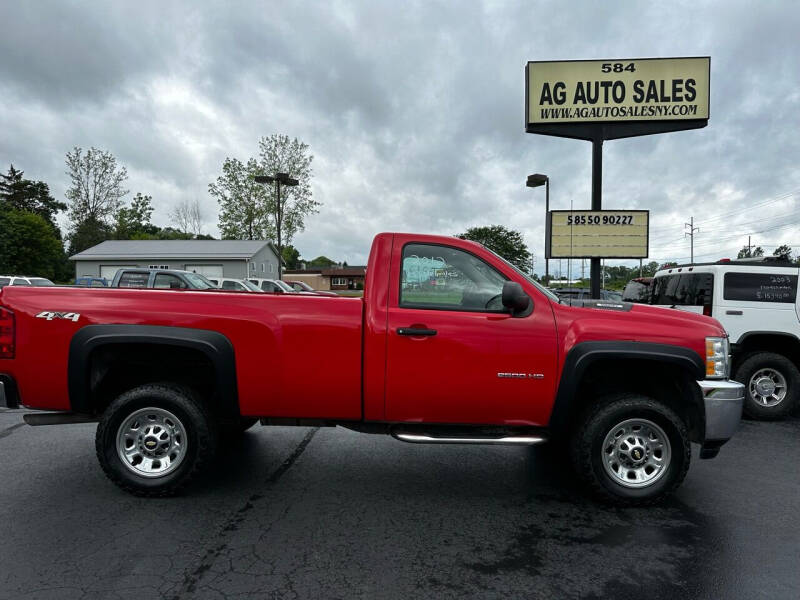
[[603, 272], [749, 248], [690, 233]]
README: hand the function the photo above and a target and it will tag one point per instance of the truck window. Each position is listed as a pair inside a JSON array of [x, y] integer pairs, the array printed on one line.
[[760, 287], [4, 281], [133, 280], [169, 282], [636, 291], [440, 277], [232, 285], [683, 289]]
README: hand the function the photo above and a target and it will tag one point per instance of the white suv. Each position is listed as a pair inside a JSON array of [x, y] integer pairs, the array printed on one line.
[[19, 280], [235, 285], [756, 301]]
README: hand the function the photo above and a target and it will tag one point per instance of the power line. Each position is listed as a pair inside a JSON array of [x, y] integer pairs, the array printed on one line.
[[751, 207], [744, 210]]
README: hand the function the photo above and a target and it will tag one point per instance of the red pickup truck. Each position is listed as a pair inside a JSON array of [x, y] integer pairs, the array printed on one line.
[[450, 344]]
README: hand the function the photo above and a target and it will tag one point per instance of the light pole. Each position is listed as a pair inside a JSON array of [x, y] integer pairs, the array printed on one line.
[[278, 179], [537, 180]]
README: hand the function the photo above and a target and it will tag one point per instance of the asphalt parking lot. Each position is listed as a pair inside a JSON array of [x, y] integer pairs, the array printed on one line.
[[328, 513]]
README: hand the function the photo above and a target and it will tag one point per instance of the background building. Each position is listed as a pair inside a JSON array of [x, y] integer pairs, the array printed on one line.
[[213, 258], [330, 278]]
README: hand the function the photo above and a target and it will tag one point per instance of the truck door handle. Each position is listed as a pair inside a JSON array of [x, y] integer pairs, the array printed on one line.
[[415, 331], [733, 312]]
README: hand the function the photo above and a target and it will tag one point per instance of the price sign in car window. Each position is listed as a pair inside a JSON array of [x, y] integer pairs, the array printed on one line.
[[760, 287]]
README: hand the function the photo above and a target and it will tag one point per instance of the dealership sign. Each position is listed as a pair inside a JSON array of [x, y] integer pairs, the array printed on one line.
[[618, 90], [597, 234]]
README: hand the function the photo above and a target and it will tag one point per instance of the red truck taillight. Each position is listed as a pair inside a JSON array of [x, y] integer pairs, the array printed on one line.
[[6, 333]]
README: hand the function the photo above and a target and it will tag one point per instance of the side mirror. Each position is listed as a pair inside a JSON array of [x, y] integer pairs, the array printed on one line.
[[518, 303]]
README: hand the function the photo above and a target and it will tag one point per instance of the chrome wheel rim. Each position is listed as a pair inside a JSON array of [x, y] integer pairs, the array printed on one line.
[[151, 442], [636, 453], [767, 387]]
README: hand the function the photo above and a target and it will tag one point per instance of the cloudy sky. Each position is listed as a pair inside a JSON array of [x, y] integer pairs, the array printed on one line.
[[413, 110]]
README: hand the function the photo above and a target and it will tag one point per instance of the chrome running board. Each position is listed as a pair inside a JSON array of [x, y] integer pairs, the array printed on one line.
[[419, 438]]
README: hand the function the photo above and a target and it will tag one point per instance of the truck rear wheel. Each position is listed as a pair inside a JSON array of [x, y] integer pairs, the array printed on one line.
[[772, 384], [629, 449], [154, 439]]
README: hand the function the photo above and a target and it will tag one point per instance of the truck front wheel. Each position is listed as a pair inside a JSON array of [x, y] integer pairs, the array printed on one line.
[[630, 449], [154, 439]]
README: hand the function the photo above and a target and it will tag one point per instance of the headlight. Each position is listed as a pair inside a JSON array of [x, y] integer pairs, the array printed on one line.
[[717, 365]]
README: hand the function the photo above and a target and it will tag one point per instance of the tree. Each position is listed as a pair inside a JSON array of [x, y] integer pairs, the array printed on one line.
[[95, 190], [321, 261], [750, 252], [134, 220], [650, 269], [188, 216], [291, 257], [506, 242], [783, 250], [25, 195], [88, 233], [279, 154], [244, 214], [28, 244]]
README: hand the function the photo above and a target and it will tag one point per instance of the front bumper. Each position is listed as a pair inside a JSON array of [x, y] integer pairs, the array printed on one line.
[[723, 401]]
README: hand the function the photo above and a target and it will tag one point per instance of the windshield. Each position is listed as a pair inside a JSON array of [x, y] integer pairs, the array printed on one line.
[[536, 284], [41, 282], [285, 286], [199, 282], [250, 287]]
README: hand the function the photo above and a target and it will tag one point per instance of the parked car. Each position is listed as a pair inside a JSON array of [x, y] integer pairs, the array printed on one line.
[[168, 279], [486, 357], [637, 290], [581, 293], [234, 285], [756, 301], [20, 280], [302, 286], [92, 282], [273, 285]]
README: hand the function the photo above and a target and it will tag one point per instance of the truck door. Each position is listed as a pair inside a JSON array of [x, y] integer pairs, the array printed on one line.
[[454, 355]]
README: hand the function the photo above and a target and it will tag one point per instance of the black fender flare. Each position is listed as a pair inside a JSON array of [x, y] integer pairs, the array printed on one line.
[[584, 354], [212, 344]]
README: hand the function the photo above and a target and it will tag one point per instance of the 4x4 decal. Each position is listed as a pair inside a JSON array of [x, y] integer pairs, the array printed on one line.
[[49, 315]]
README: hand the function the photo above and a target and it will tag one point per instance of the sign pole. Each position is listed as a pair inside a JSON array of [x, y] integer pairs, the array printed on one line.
[[597, 204]]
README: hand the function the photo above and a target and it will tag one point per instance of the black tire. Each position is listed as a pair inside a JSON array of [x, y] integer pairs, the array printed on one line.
[[198, 436], [600, 420], [759, 362]]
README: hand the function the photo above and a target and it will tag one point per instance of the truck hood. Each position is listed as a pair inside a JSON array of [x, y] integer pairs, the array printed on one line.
[[596, 320]]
